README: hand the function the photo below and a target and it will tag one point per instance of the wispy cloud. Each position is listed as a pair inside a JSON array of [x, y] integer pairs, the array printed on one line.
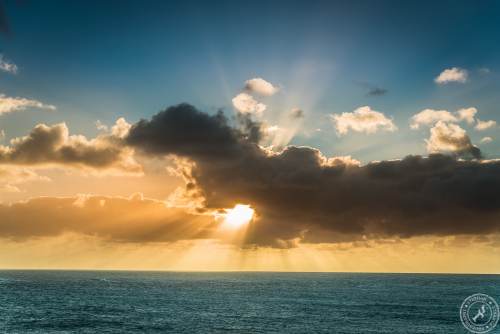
[[12, 104], [484, 125], [486, 140], [7, 66]]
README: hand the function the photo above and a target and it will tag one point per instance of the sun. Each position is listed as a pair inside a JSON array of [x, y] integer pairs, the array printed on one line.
[[238, 216]]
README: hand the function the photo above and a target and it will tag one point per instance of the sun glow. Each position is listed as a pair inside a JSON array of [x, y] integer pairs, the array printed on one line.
[[238, 216]]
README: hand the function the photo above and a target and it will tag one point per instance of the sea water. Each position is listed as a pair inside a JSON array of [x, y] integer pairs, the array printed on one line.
[[235, 302]]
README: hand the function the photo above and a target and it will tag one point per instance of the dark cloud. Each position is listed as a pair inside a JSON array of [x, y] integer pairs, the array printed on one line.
[[185, 131], [373, 90], [297, 113], [52, 145], [377, 91], [301, 195]]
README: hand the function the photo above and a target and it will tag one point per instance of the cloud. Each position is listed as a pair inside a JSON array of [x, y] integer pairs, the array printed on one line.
[[11, 177], [430, 116], [467, 114], [453, 74], [486, 140], [451, 138], [300, 195], [372, 89], [246, 104], [363, 119], [52, 145], [297, 113], [260, 87], [7, 66], [12, 104], [484, 125], [377, 91], [119, 219], [484, 70]]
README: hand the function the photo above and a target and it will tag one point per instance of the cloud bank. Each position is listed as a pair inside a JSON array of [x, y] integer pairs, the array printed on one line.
[[302, 196], [299, 195], [133, 219]]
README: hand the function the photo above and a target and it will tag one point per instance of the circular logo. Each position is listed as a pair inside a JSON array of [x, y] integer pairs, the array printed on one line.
[[479, 313]]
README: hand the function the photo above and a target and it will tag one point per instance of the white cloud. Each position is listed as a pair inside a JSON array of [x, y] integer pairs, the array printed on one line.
[[467, 114], [486, 140], [454, 74], [246, 104], [121, 128], [430, 117], [7, 66], [101, 126], [450, 138], [363, 119], [12, 104], [261, 87], [484, 125]]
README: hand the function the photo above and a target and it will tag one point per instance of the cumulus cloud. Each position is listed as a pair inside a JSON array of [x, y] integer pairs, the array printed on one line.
[[484, 125], [302, 196], [430, 116], [363, 119], [451, 138], [12, 104], [247, 104], [486, 140], [453, 74], [7, 66], [119, 219], [260, 87], [52, 145]]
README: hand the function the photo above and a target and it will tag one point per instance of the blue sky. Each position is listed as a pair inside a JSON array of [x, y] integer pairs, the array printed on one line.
[[100, 61]]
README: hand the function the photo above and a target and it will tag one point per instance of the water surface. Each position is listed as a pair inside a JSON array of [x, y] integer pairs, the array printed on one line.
[[161, 302]]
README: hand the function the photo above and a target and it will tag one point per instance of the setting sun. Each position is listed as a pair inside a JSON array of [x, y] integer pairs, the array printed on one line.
[[239, 215]]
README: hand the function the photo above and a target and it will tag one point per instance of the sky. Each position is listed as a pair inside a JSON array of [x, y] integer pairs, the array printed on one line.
[[273, 135]]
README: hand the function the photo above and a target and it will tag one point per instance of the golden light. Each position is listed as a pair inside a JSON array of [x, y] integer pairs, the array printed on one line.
[[238, 216]]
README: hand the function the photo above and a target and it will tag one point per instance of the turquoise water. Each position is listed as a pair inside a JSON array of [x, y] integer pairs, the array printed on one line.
[[166, 302]]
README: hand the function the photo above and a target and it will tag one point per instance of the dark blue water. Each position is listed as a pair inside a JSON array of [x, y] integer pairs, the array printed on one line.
[[165, 302]]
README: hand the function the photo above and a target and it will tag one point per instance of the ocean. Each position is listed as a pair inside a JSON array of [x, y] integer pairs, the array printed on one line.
[[235, 302]]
